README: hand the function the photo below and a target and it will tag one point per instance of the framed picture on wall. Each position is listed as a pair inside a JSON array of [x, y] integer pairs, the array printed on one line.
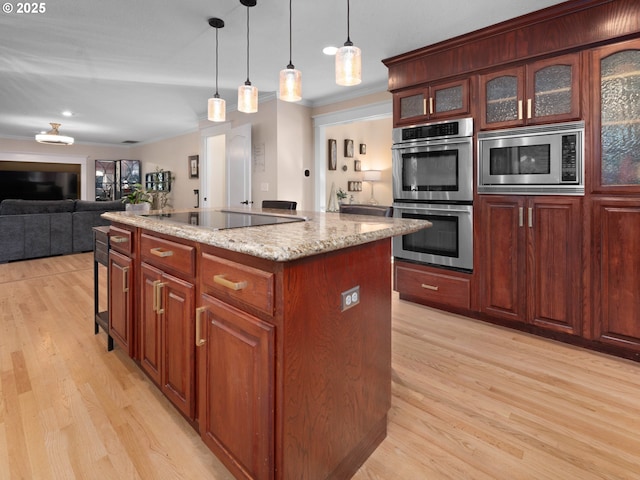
[[194, 166], [357, 166], [348, 148], [363, 149], [333, 154]]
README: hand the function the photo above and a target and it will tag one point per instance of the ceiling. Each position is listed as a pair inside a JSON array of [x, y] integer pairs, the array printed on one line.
[[143, 70]]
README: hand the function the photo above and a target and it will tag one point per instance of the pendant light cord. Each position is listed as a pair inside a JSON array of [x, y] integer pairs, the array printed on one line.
[[290, 37], [217, 95], [247, 82], [348, 42]]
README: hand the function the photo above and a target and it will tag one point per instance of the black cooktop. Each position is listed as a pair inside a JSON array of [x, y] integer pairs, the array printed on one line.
[[221, 220]]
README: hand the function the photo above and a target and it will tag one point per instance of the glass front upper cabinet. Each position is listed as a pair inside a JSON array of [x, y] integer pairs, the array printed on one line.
[[431, 102], [542, 92], [619, 97]]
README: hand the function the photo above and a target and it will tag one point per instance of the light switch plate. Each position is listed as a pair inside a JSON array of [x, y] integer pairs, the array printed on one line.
[[350, 298]]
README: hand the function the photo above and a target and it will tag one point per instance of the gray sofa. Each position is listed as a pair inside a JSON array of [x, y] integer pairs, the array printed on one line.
[[42, 228]]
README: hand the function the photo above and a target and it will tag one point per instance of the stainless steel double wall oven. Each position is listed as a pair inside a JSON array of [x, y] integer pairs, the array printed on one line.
[[433, 180]]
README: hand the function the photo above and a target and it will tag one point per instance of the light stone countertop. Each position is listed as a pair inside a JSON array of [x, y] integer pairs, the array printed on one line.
[[319, 233]]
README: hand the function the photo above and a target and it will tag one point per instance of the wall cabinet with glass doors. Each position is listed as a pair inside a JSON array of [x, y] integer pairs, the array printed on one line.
[[541, 92], [431, 102]]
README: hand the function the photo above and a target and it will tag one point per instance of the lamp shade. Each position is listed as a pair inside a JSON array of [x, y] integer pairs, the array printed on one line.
[[372, 175], [290, 85], [247, 98], [216, 109], [348, 65]]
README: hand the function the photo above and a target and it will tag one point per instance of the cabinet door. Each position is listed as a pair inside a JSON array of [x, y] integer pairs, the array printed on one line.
[[236, 389], [449, 99], [616, 94], [554, 256], [617, 263], [177, 312], [150, 328], [410, 106], [503, 269], [553, 92], [120, 304], [501, 96]]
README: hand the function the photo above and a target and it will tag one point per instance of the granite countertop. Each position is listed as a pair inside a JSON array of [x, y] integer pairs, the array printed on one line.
[[319, 233]]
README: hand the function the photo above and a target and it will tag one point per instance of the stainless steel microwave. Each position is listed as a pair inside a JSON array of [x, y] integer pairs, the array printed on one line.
[[544, 159]]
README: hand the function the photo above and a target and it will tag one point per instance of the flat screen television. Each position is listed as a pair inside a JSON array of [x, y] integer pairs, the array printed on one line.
[[39, 181]]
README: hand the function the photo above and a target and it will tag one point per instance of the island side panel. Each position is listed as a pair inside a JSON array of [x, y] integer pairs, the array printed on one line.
[[336, 365]]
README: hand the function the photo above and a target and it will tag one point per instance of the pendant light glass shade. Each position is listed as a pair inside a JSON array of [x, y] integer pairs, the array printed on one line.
[[247, 93], [247, 98], [348, 60], [290, 85], [216, 106], [217, 109], [290, 78], [348, 66]]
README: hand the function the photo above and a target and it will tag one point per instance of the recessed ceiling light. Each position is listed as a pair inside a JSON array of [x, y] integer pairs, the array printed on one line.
[[67, 113], [330, 50]]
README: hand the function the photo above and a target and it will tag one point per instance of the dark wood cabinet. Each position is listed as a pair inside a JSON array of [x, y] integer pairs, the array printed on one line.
[[541, 92], [616, 296], [530, 249], [237, 387], [120, 300], [431, 102], [167, 319]]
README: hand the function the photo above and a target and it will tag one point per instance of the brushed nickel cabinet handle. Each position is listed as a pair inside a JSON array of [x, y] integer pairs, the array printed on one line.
[[430, 287], [118, 239], [159, 252], [199, 340], [221, 280], [519, 109], [430, 105], [530, 217], [155, 295], [528, 108], [424, 106], [160, 309], [520, 216], [125, 279]]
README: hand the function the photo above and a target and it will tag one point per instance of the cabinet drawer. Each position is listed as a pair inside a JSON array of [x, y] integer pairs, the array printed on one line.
[[121, 240], [233, 281], [168, 255], [434, 287]]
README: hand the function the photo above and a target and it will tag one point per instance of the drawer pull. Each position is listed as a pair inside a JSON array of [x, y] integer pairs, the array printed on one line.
[[159, 252], [221, 280], [199, 340], [430, 287], [118, 239]]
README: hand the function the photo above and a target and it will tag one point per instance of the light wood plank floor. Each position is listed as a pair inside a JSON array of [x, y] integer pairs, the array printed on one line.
[[470, 400]]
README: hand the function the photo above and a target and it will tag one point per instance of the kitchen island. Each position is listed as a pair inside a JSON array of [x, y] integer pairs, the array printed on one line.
[[274, 341]]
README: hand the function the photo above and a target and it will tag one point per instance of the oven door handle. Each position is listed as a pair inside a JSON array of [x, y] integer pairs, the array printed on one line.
[[430, 209]]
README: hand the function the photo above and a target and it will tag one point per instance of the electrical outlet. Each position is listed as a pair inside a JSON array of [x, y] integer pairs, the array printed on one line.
[[350, 298]]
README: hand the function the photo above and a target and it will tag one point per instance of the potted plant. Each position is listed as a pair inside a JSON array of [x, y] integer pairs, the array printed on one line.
[[341, 194], [138, 200]]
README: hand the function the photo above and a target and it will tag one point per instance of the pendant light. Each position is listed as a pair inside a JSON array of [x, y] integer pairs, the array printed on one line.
[[53, 137], [348, 60], [247, 93], [290, 78], [217, 108]]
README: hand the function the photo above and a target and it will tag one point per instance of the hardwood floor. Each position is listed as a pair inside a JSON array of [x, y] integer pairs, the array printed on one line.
[[470, 400]]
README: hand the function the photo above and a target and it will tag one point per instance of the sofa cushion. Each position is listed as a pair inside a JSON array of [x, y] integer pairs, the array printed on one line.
[[11, 206], [91, 206]]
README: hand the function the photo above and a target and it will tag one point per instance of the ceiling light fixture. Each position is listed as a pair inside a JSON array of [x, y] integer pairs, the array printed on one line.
[[348, 60], [290, 78], [216, 106], [53, 137], [247, 93]]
